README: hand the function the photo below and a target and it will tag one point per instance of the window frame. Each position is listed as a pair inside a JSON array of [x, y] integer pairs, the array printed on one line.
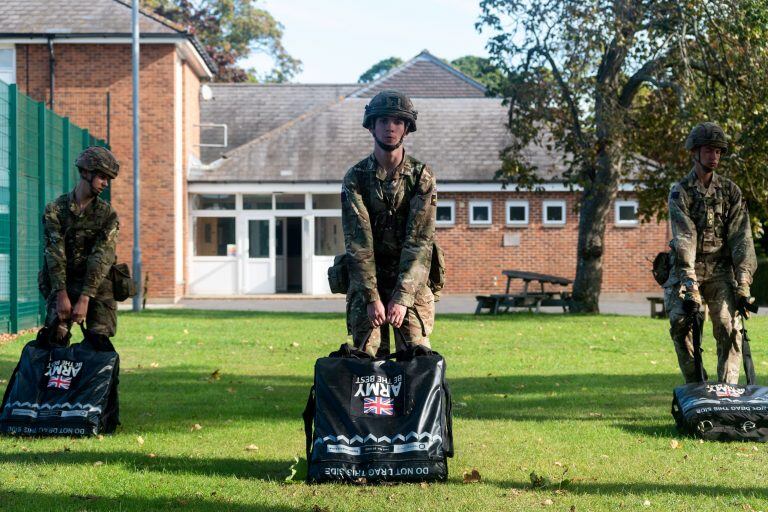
[[450, 203], [481, 202], [554, 202], [626, 202], [517, 202], [12, 48]]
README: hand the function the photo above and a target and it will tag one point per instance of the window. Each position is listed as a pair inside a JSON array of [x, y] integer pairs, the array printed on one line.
[[329, 237], [626, 213], [8, 65], [257, 202], [213, 202], [258, 239], [326, 201], [517, 213], [480, 212], [553, 212], [446, 212], [214, 236], [289, 201]]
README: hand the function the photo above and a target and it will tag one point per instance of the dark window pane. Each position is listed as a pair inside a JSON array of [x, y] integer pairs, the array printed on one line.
[[258, 239], [257, 202], [517, 214], [213, 235], [480, 213], [329, 237], [326, 201], [213, 202], [444, 214], [279, 227], [555, 213], [627, 213], [289, 201]]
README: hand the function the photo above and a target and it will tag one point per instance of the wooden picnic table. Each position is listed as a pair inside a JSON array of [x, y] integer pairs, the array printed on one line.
[[528, 298]]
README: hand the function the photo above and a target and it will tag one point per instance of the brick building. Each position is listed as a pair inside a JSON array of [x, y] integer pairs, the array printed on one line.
[[75, 55], [265, 214]]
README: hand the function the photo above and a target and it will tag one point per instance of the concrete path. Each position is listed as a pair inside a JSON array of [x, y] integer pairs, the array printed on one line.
[[635, 305]]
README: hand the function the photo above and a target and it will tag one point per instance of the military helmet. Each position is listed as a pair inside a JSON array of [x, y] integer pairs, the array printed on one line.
[[390, 103], [706, 134], [98, 159]]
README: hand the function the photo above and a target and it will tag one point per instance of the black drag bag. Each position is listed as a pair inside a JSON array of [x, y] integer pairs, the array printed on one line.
[[717, 411], [377, 420], [64, 391]]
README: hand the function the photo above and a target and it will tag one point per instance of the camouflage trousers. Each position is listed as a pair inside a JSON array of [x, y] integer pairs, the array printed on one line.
[[101, 317], [720, 299], [416, 327]]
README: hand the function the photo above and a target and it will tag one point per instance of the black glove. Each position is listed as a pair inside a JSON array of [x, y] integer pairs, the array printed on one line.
[[691, 302], [745, 303]]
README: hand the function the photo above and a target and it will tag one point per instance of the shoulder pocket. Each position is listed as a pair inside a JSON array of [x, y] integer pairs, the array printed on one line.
[[338, 274], [123, 285]]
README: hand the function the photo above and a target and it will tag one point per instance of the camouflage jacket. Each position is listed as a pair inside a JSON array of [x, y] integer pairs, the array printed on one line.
[[79, 245], [711, 234], [389, 227]]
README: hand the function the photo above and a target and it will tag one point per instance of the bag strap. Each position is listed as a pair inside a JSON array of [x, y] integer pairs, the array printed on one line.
[[697, 325], [746, 352], [309, 416]]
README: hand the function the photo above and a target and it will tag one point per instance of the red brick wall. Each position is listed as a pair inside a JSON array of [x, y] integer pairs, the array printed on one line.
[[83, 76], [475, 256], [191, 108]]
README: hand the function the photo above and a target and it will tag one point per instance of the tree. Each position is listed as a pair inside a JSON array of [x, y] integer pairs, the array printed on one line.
[[231, 30], [579, 70], [482, 70], [379, 69]]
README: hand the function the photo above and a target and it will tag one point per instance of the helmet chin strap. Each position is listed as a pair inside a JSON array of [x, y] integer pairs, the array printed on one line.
[[707, 169], [89, 179], [388, 147]]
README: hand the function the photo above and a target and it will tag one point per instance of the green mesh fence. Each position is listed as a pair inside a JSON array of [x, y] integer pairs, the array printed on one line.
[[37, 153]]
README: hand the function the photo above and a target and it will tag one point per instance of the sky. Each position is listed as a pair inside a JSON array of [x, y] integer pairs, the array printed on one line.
[[338, 40]]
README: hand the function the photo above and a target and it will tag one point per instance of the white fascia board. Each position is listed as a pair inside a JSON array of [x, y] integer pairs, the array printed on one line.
[[93, 40], [261, 188], [324, 188], [189, 53]]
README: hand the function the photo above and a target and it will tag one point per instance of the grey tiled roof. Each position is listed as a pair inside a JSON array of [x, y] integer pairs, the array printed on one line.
[[251, 110], [426, 76], [77, 17], [459, 137]]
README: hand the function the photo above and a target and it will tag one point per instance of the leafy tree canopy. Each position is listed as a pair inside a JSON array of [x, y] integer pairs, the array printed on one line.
[[231, 30], [482, 70], [379, 69]]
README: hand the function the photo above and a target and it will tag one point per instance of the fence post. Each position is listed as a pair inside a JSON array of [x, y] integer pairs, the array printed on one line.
[[86, 138], [42, 143], [65, 154], [13, 164]]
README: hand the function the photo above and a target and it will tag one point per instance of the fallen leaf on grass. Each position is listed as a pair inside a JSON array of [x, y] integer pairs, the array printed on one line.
[[596, 414], [251, 448], [318, 508], [151, 455], [231, 391], [98, 463], [154, 365], [140, 440], [472, 477], [197, 426], [186, 331], [24, 449], [294, 344], [538, 481], [100, 437], [298, 470], [674, 444], [516, 492], [459, 405], [269, 388], [216, 375], [647, 503], [150, 338], [547, 502], [558, 464], [424, 485]]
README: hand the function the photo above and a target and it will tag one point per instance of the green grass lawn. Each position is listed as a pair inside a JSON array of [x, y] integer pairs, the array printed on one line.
[[582, 398]]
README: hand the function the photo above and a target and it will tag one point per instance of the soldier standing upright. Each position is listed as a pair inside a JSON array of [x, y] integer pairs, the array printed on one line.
[[713, 255], [388, 214], [80, 231]]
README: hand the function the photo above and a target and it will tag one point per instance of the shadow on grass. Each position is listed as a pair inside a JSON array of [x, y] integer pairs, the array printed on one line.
[[19, 500], [268, 470]]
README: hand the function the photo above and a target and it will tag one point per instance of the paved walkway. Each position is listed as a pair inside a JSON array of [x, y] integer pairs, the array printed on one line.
[[635, 305]]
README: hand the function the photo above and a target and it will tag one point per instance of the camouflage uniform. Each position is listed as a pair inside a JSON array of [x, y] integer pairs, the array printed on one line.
[[712, 246], [389, 226], [80, 249]]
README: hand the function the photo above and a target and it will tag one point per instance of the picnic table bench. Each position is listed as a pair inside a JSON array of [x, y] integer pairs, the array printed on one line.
[[528, 298]]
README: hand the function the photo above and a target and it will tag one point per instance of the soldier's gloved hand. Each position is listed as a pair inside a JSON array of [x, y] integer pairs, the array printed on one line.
[[376, 313], [396, 313], [80, 310], [744, 300], [63, 305], [691, 302]]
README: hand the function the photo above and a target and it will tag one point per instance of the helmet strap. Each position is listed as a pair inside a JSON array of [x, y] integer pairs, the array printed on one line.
[[90, 177], [697, 159], [388, 147]]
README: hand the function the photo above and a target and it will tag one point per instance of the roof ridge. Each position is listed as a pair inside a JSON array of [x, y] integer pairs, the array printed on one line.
[[423, 55], [154, 16]]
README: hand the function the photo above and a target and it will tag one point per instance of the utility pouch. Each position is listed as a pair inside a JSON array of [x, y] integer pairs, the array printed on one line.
[[123, 286], [662, 266], [338, 274], [437, 271]]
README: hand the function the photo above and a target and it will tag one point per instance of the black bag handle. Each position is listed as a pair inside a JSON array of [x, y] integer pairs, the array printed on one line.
[[697, 325], [746, 353]]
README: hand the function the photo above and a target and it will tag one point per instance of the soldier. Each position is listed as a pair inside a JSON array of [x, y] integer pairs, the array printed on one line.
[[80, 232], [388, 212], [713, 255]]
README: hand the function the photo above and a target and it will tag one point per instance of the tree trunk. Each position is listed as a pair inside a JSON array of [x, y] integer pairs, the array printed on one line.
[[594, 213]]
